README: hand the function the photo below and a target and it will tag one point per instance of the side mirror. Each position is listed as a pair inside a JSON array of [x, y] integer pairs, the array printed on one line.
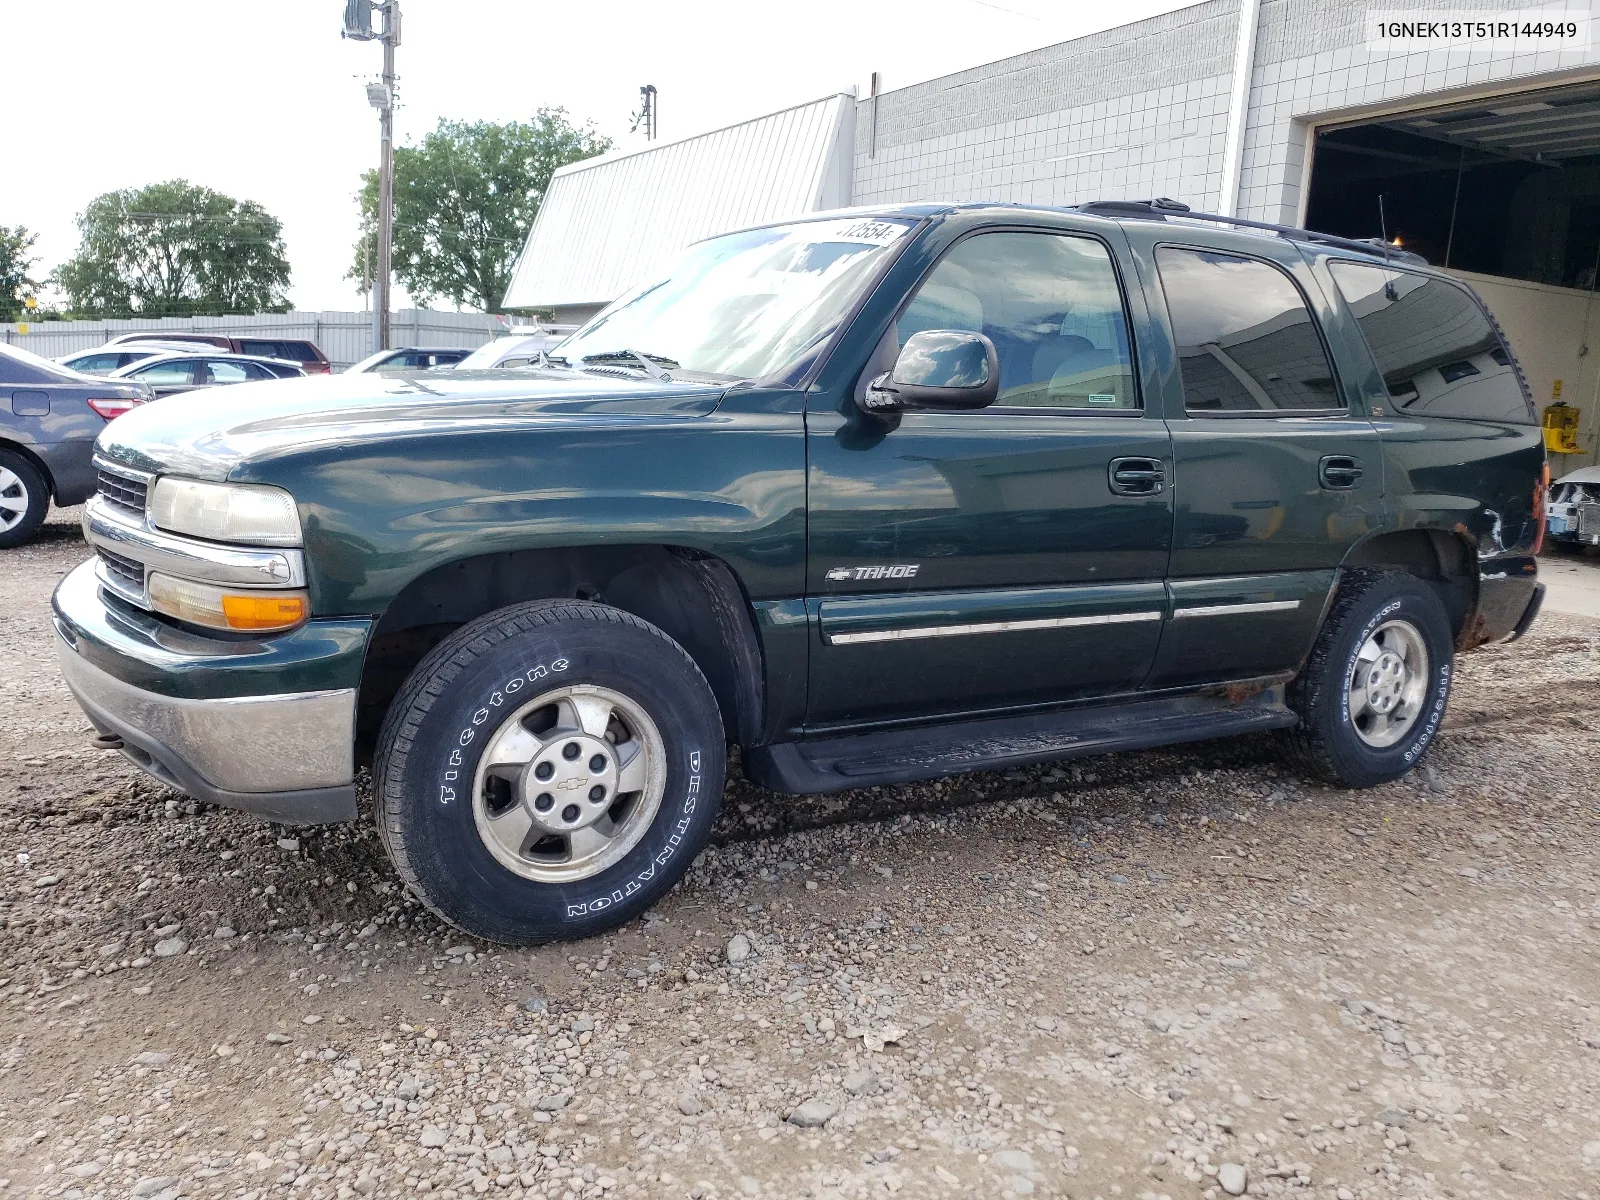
[[938, 369]]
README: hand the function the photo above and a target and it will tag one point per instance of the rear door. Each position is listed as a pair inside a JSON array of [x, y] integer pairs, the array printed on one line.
[[1277, 469], [970, 562]]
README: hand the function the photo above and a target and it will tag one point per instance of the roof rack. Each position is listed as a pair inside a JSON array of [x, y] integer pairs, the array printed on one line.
[[1162, 207]]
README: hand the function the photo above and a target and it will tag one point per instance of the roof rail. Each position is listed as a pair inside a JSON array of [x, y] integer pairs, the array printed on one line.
[[1161, 208]]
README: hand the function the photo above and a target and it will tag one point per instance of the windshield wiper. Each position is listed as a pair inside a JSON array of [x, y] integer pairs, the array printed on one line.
[[647, 362]]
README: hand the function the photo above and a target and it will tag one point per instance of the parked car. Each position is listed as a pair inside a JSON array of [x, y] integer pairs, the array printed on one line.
[[103, 360], [168, 374], [49, 417], [973, 486], [295, 350], [516, 350], [1575, 508], [410, 358]]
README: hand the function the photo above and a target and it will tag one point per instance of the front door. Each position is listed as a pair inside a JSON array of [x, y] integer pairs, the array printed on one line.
[[1006, 557], [1277, 469]]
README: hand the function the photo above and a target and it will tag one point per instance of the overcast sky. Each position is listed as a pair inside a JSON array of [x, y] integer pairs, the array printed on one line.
[[263, 101]]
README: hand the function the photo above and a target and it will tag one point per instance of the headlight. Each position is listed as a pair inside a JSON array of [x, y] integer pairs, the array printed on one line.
[[239, 609], [226, 512]]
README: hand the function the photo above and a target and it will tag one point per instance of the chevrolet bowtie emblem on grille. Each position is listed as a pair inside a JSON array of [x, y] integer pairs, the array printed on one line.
[[898, 571]]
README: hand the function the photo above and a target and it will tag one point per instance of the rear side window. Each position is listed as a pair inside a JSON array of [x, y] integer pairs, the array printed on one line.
[[298, 352], [1246, 339], [1438, 354]]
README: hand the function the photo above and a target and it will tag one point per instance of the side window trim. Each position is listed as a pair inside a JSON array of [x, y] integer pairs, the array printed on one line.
[[1263, 414], [1138, 411]]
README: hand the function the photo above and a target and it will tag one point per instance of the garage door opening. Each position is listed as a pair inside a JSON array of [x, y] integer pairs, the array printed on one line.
[[1504, 191], [1508, 186]]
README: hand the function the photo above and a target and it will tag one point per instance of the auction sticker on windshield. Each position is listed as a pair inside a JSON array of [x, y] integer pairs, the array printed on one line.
[[867, 231]]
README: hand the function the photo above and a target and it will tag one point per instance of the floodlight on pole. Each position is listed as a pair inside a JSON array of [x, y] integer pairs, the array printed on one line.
[[358, 25]]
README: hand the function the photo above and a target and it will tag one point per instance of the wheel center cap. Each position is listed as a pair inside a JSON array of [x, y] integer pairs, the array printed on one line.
[[1386, 680], [571, 783]]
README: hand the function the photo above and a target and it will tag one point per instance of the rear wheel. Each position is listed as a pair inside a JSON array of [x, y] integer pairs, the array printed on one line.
[[1373, 692], [549, 771], [24, 499]]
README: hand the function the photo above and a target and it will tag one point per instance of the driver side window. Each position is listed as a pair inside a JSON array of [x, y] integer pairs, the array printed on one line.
[[1051, 305]]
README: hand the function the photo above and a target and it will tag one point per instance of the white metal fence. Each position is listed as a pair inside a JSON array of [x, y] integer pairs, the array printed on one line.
[[345, 337]]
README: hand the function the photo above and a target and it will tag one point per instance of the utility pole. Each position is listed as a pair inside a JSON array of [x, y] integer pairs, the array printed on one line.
[[358, 25]]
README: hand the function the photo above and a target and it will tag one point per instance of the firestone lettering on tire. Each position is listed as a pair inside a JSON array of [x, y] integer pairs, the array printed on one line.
[[497, 697], [587, 908], [1435, 715]]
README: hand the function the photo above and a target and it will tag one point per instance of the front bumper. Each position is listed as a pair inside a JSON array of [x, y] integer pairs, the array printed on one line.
[[231, 722]]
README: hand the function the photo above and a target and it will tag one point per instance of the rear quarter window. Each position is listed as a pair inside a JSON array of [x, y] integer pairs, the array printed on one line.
[[1434, 345]]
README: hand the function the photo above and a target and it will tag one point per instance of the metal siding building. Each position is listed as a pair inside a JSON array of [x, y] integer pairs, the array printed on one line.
[[345, 337], [607, 222]]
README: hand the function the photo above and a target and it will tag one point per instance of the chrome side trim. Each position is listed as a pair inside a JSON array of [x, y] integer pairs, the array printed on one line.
[[940, 631], [279, 743], [1230, 610], [189, 558]]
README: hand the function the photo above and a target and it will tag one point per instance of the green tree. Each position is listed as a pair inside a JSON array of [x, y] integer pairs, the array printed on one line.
[[464, 201], [15, 262], [175, 249]]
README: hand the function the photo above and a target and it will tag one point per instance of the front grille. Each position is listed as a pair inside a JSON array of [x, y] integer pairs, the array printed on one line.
[[1588, 519], [122, 570], [124, 491]]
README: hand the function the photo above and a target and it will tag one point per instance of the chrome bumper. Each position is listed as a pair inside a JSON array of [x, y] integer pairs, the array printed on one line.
[[286, 757]]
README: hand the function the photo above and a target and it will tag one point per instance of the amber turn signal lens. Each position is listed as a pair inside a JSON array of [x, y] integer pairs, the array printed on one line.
[[256, 610], [245, 611]]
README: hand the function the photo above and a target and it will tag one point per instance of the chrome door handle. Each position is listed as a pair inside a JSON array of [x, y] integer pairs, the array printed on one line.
[[1339, 472]]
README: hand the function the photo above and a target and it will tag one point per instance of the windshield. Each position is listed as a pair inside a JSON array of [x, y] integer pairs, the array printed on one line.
[[751, 305]]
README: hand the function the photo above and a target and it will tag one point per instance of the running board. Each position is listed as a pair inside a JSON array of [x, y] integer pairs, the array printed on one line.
[[928, 752]]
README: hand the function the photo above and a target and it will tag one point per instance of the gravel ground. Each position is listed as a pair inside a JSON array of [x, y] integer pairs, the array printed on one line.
[[1174, 974]]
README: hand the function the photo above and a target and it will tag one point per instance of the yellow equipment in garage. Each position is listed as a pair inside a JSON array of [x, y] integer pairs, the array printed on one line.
[[1560, 423]]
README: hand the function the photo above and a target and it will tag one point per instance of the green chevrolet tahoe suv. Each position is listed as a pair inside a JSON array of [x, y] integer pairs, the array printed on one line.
[[875, 496]]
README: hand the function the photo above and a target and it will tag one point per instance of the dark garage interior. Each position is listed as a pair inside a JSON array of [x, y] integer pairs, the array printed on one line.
[[1507, 186]]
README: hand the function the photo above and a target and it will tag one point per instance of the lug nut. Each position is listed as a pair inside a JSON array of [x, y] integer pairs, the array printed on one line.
[[597, 792], [597, 763], [571, 751], [543, 801], [543, 771], [569, 813]]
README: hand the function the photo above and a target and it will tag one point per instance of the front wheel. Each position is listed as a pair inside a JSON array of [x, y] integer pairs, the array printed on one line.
[[549, 771], [1373, 692]]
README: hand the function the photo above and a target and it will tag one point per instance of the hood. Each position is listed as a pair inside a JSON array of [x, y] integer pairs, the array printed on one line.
[[1582, 475], [208, 433]]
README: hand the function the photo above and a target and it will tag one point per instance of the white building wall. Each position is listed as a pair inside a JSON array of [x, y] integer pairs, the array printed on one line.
[[1141, 110], [1133, 112]]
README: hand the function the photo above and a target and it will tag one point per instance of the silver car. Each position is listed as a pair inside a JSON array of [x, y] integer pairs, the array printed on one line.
[[170, 373], [103, 360]]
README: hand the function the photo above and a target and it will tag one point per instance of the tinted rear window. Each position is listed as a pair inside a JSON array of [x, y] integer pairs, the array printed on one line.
[[1438, 354], [1246, 338], [299, 352]]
